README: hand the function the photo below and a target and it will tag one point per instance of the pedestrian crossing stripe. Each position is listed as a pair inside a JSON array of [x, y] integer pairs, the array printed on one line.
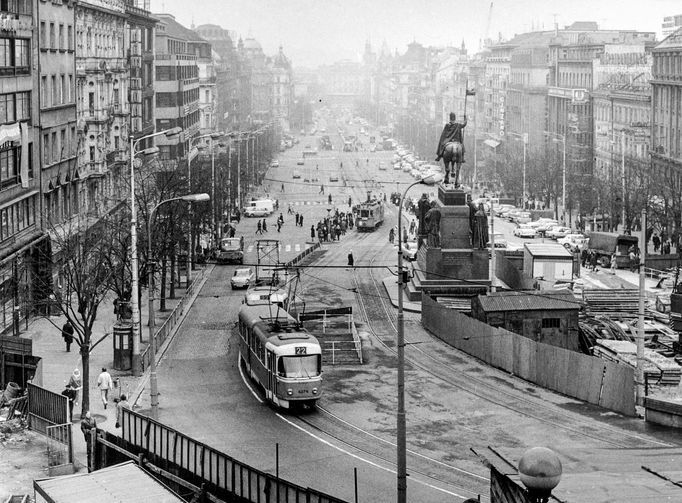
[[297, 247]]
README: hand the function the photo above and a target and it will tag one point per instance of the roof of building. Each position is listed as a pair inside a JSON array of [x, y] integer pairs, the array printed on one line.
[[674, 40], [174, 29], [552, 250], [125, 482], [528, 301]]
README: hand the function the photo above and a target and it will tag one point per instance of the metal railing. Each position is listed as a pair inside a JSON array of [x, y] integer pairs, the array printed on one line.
[[218, 472], [171, 322]]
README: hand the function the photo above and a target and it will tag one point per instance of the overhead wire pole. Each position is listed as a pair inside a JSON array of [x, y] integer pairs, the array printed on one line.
[[639, 375]]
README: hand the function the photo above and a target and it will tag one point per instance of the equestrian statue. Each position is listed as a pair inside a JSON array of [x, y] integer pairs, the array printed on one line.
[[451, 147]]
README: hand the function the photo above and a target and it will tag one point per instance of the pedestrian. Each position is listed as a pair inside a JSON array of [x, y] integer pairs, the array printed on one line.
[[351, 259], [614, 264], [350, 201], [259, 229], [583, 257], [87, 425], [329, 198], [279, 226], [593, 261], [312, 232], [104, 383], [122, 404], [67, 334], [391, 235], [632, 256], [322, 189], [70, 394], [300, 220], [281, 218], [296, 219], [657, 242], [265, 226], [282, 187], [76, 383]]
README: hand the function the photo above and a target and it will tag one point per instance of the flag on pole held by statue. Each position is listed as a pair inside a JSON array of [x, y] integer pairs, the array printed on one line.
[[471, 92]]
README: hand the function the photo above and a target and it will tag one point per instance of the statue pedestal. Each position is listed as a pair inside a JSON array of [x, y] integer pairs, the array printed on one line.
[[455, 268]]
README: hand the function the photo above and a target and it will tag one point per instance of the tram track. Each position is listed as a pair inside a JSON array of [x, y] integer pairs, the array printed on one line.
[[371, 299]]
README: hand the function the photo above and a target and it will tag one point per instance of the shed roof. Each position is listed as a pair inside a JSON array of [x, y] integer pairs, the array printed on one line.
[[125, 482], [528, 301], [548, 250]]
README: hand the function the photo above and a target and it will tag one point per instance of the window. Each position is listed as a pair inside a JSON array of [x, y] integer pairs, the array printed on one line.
[[62, 89], [46, 149], [69, 35], [52, 36], [61, 37], [69, 96], [55, 92], [551, 322], [62, 142], [91, 103], [9, 166], [92, 154], [43, 34], [43, 90], [55, 148]]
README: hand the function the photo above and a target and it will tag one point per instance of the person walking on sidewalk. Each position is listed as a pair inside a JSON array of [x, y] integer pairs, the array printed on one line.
[[265, 226], [75, 383], [122, 404], [312, 232], [105, 383], [259, 230], [300, 220], [351, 259], [67, 334]]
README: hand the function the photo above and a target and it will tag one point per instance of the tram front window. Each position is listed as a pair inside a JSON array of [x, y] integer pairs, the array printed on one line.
[[364, 213], [299, 366]]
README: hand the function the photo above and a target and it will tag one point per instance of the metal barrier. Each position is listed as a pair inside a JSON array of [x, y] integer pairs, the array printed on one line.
[[302, 255], [219, 473], [46, 408], [170, 323], [59, 449]]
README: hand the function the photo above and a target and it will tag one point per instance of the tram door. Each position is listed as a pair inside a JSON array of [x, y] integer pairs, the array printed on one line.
[[272, 372]]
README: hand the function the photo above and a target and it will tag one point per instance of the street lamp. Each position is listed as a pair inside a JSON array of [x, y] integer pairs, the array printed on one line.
[[135, 299], [524, 138], [154, 394], [401, 442], [562, 138], [190, 250]]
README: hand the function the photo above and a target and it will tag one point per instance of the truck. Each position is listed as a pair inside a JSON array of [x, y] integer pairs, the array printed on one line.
[[230, 251], [605, 244]]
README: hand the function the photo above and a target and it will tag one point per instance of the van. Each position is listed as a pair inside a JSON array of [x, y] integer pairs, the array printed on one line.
[[259, 208]]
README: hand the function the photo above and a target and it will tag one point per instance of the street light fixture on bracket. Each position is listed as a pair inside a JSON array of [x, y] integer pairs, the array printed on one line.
[[135, 282], [401, 426], [153, 384]]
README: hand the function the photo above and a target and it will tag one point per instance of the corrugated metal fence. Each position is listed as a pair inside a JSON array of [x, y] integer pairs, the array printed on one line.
[[168, 448], [585, 377]]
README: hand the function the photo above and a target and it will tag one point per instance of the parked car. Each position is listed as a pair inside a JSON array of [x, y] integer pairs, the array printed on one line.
[[522, 217], [558, 232], [409, 250], [525, 231], [242, 278], [296, 174], [500, 240], [382, 166], [274, 164], [300, 162], [546, 225], [572, 240]]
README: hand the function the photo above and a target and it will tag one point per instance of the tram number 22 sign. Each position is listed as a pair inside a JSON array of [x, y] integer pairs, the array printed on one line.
[[300, 350]]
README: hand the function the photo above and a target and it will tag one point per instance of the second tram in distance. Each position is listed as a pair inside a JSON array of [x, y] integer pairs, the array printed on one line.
[[370, 215], [280, 356]]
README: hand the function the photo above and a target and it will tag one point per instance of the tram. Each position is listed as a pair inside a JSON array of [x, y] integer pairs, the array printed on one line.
[[370, 215], [280, 356]]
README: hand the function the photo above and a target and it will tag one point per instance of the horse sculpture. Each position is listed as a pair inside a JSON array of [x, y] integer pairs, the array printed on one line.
[[453, 156]]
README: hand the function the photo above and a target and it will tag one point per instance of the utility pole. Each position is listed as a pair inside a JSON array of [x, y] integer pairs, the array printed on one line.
[[639, 375], [622, 166]]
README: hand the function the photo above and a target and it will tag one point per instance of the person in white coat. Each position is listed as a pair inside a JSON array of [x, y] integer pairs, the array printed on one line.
[[105, 383]]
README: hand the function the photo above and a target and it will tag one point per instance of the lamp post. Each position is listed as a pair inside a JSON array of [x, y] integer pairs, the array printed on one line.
[[190, 249], [401, 433], [562, 138], [135, 281], [524, 138], [154, 393]]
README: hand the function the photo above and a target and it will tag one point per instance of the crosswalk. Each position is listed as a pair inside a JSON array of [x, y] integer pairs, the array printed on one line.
[[296, 247]]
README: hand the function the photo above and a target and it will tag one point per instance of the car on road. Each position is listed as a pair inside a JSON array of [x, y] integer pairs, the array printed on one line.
[[242, 277], [521, 217], [558, 232], [500, 240], [300, 162], [545, 225], [296, 174], [274, 164], [382, 166], [409, 249], [525, 231], [572, 240], [334, 177]]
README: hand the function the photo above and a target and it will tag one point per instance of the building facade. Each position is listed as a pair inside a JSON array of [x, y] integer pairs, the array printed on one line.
[[21, 237], [176, 84]]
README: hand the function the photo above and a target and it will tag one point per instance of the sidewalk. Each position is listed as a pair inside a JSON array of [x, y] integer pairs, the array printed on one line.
[[58, 365]]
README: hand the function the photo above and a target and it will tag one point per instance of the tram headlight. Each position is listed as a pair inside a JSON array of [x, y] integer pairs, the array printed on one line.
[[290, 392], [314, 391]]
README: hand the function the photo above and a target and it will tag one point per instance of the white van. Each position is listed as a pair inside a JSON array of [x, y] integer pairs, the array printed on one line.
[[259, 208]]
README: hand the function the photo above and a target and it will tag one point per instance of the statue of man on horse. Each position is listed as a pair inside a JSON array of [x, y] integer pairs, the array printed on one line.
[[451, 147]]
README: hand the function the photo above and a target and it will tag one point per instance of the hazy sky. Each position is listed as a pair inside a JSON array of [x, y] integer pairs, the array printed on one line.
[[315, 32]]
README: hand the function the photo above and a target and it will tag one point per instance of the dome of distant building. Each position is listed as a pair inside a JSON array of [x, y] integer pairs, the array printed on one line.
[[251, 44], [281, 60]]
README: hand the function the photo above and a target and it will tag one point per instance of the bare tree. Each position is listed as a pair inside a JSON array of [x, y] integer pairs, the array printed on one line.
[[88, 270]]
